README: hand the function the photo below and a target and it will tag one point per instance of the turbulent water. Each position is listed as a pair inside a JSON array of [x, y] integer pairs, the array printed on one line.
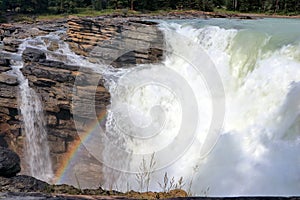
[[254, 150], [221, 111], [36, 145]]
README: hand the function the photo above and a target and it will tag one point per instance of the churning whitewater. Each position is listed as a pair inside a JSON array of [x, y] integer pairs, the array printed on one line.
[[36, 146], [256, 150], [221, 111]]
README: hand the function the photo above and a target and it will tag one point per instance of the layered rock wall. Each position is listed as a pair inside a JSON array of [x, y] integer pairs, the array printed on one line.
[[10, 125], [121, 42], [54, 82]]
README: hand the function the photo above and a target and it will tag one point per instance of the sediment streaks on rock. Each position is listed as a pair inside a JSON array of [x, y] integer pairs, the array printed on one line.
[[120, 42]]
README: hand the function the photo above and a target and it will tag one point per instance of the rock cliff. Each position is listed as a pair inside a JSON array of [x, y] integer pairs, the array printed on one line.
[[54, 82], [120, 42]]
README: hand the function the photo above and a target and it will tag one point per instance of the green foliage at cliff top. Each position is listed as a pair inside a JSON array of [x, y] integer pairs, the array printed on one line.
[[96, 7]]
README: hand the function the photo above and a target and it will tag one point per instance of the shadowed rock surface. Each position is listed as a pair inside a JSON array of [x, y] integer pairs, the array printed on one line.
[[9, 163], [22, 183], [99, 39]]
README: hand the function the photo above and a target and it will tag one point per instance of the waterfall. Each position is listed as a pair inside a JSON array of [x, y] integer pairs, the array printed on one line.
[[255, 150], [36, 147], [221, 111]]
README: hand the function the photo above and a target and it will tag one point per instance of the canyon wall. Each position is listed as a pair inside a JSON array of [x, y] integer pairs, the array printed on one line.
[[119, 42]]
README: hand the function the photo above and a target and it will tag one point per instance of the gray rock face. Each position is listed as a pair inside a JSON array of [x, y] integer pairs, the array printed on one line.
[[119, 42], [9, 163], [54, 81], [10, 125], [9, 80], [33, 55], [11, 44], [4, 65], [22, 183]]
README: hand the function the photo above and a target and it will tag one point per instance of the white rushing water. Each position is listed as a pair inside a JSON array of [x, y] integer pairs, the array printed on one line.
[[168, 109], [257, 151], [36, 147]]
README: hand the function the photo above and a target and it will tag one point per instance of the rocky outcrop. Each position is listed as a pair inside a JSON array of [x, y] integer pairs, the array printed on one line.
[[33, 55], [22, 183], [9, 163], [11, 35], [4, 65], [55, 83], [10, 126], [26, 187], [19, 185], [120, 42]]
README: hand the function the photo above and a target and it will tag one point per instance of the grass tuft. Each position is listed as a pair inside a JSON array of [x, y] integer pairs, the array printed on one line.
[[145, 171]]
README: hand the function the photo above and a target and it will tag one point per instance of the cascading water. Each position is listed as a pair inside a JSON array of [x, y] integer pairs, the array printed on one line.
[[258, 145], [257, 152], [36, 144]]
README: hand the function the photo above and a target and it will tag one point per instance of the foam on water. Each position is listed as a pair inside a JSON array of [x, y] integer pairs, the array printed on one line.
[[258, 149], [36, 149], [257, 152]]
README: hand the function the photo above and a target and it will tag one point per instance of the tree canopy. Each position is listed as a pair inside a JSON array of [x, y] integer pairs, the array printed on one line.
[[71, 6]]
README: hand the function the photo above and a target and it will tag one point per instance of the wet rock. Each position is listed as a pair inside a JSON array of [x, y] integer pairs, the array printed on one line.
[[9, 163], [4, 127], [33, 55], [8, 79], [34, 32], [22, 183], [9, 121], [53, 46], [4, 69], [11, 44], [8, 93], [3, 142], [4, 62], [50, 26], [119, 42], [54, 81]]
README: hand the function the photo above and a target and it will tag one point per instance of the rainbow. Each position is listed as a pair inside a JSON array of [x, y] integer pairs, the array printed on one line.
[[75, 146]]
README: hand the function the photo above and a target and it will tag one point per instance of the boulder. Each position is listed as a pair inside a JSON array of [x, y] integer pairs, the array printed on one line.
[[22, 183], [8, 80], [4, 68], [11, 44], [4, 62], [33, 55], [9, 163]]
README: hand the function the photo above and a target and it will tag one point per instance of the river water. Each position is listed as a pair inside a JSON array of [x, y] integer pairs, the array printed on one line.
[[221, 111], [236, 100]]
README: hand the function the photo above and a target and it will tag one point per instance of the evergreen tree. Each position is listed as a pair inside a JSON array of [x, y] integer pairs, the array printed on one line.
[[206, 5], [70, 6], [97, 4]]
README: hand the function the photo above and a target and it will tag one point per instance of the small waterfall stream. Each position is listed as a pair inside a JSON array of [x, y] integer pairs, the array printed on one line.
[[36, 144], [257, 152]]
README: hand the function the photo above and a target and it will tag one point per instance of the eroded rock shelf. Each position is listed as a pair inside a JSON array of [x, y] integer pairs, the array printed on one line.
[[122, 42]]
